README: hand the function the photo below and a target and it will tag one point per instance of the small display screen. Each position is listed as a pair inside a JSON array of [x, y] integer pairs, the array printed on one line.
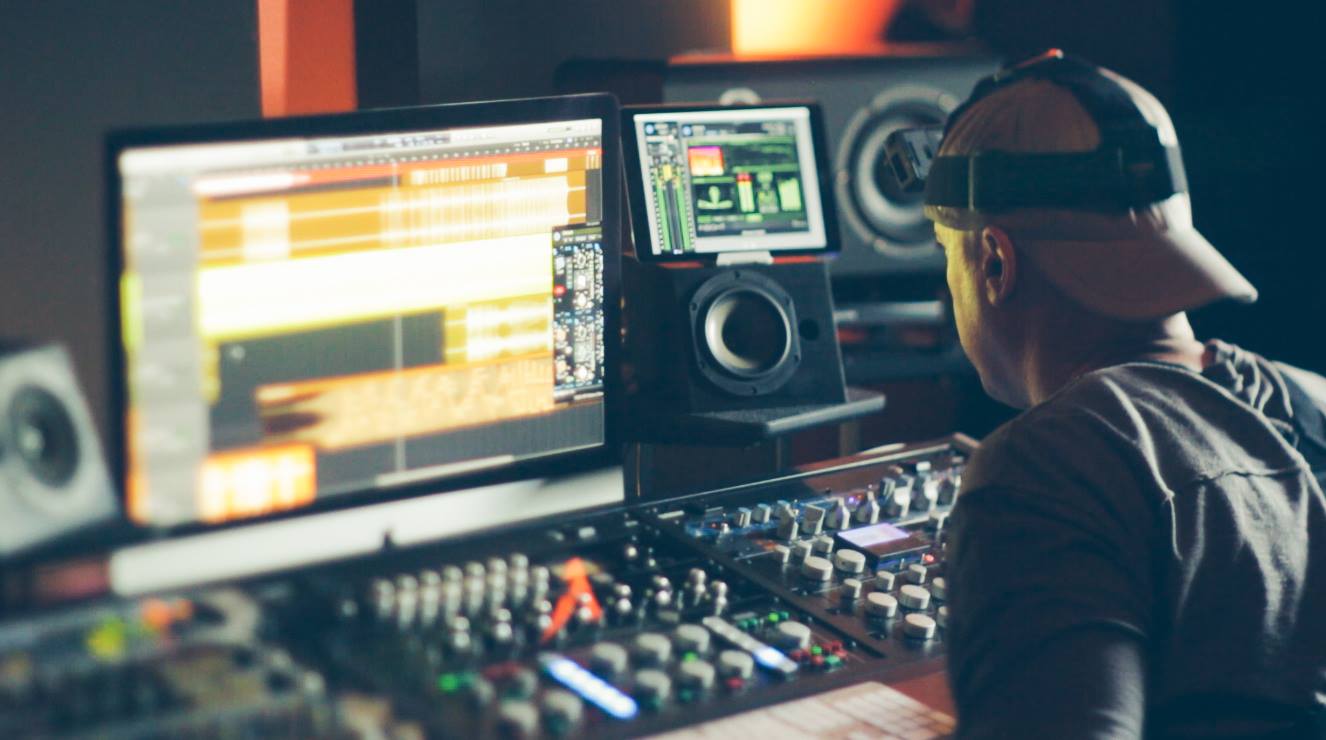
[[729, 180], [883, 540]]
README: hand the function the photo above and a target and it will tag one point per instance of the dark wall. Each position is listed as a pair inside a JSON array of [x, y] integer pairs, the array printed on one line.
[[69, 70], [483, 49]]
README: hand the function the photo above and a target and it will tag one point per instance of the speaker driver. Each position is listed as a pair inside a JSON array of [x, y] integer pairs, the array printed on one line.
[[745, 331], [883, 216], [42, 435]]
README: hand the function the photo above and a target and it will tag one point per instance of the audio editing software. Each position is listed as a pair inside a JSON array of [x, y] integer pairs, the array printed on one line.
[[308, 317], [730, 180]]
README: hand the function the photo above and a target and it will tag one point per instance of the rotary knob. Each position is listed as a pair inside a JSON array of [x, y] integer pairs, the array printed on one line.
[[607, 659], [816, 568], [800, 551], [880, 604], [561, 710], [518, 719], [822, 545], [897, 503], [915, 573], [939, 588], [691, 638], [792, 635], [735, 664], [850, 561], [942, 616], [918, 626], [948, 490], [696, 674], [761, 513], [788, 529], [651, 648], [884, 580], [868, 512], [840, 517], [913, 596], [782, 553], [851, 590], [652, 685]]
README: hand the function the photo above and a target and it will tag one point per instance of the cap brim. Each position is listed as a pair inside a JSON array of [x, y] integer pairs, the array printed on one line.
[[1151, 276]]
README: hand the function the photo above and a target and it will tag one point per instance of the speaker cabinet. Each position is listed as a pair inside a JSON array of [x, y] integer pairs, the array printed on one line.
[[864, 99], [704, 339], [53, 478]]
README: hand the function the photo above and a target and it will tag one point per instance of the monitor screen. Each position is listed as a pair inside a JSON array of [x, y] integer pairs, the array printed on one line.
[[725, 180], [310, 317]]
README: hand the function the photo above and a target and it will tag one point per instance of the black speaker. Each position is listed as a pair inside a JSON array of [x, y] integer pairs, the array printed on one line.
[[53, 478], [704, 339], [864, 98]]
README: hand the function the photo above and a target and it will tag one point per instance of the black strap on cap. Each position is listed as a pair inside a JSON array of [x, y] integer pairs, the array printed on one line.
[[1131, 167]]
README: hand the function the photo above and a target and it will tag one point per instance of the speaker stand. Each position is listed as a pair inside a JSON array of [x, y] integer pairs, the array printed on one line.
[[748, 426]]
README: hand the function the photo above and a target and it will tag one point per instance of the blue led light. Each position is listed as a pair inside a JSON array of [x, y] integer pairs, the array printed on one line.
[[589, 687]]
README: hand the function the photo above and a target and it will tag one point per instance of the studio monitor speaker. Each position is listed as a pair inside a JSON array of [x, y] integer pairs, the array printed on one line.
[[53, 478], [705, 338], [864, 99]]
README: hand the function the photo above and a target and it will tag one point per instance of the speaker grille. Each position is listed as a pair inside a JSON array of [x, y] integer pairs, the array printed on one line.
[[42, 436], [745, 332]]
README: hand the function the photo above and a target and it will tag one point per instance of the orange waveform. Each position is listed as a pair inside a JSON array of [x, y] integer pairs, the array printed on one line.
[[248, 482]]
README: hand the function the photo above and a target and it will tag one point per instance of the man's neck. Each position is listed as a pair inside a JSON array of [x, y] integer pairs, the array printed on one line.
[[1053, 364]]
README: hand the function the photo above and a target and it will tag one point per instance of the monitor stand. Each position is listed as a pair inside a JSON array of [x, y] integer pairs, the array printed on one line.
[[732, 259], [749, 426]]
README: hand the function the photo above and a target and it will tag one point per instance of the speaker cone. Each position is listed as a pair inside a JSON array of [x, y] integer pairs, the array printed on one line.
[[745, 330], [42, 435], [887, 218]]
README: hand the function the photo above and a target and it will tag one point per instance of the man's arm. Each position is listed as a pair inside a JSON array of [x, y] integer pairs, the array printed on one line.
[[1049, 595]]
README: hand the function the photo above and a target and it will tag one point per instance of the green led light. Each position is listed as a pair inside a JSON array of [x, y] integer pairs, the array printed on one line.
[[689, 657], [448, 683], [816, 650], [833, 660], [784, 616], [773, 616]]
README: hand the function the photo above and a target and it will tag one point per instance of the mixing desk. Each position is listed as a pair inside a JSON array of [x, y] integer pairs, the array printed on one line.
[[625, 622]]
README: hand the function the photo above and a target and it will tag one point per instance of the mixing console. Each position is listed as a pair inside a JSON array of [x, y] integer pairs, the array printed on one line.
[[621, 623]]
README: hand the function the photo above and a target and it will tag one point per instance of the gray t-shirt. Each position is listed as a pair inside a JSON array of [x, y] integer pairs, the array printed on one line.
[[1144, 551]]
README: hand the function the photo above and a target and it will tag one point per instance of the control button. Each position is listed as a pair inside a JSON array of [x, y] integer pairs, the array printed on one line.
[[651, 648], [586, 532], [480, 692], [851, 590], [850, 561], [822, 545], [814, 516], [792, 635], [788, 529], [607, 659], [884, 580], [913, 596], [816, 568], [938, 588], [652, 685], [880, 604], [942, 616], [696, 674], [918, 626], [741, 518], [868, 512], [800, 551], [561, 710], [518, 719], [691, 638], [735, 664], [915, 573], [522, 684], [767, 657], [782, 553]]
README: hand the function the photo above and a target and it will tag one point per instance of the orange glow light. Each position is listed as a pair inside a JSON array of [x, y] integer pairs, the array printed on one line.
[[761, 27], [705, 160], [237, 484]]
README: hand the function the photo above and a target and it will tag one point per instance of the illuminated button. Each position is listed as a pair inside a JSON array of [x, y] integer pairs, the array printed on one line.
[[850, 561], [880, 604], [562, 710], [915, 573], [607, 659], [518, 719], [914, 597], [696, 674], [939, 588], [591, 688], [651, 648], [816, 568], [942, 616], [652, 686], [691, 638], [884, 580], [918, 626], [735, 663], [792, 635]]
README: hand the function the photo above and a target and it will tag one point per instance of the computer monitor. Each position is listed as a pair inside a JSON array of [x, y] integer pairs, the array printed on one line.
[[709, 180], [320, 311]]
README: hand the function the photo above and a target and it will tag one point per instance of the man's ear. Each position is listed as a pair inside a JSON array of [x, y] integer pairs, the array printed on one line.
[[998, 265]]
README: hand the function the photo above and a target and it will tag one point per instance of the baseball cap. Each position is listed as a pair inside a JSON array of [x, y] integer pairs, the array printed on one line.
[[1136, 261]]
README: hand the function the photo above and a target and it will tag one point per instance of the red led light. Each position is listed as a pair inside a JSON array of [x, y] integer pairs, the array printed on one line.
[[559, 290], [928, 558], [735, 684]]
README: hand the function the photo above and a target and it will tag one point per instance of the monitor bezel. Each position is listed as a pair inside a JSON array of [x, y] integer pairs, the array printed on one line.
[[601, 106], [634, 180]]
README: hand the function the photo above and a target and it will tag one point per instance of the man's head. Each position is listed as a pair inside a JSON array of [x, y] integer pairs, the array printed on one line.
[[1032, 278]]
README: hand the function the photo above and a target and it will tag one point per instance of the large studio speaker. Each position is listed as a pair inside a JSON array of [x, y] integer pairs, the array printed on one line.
[[53, 478], [705, 339], [864, 99]]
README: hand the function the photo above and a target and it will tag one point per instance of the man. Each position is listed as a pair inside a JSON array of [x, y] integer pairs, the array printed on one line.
[[1143, 550]]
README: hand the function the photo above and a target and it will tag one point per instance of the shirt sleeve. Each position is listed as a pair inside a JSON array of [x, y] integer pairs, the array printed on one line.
[[1049, 597]]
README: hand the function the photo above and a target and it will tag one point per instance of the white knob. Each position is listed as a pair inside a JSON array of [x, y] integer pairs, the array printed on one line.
[[942, 616], [915, 573], [880, 604], [939, 588], [850, 561], [919, 626], [816, 568], [884, 580], [913, 596]]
